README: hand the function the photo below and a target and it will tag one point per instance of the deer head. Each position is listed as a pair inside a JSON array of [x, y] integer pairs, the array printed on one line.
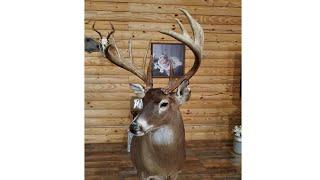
[[157, 107], [159, 104]]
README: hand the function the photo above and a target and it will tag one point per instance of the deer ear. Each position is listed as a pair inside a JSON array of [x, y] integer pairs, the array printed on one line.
[[183, 92], [138, 89]]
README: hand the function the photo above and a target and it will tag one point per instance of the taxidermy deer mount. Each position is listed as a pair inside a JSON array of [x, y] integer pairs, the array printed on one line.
[[158, 147]]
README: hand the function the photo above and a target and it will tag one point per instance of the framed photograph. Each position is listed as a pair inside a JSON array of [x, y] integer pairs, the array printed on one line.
[[163, 54]]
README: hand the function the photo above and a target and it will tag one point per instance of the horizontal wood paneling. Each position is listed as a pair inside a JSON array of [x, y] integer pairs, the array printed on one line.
[[217, 3], [111, 79], [214, 107], [217, 46], [211, 120], [189, 104], [154, 26], [140, 53], [195, 96], [185, 112], [156, 36], [154, 17], [203, 71], [161, 8], [123, 129], [194, 87], [194, 10], [193, 132], [214, 63]]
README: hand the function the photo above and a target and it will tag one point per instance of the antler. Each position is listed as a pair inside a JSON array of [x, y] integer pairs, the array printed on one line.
[[96, 30], [111, 52], [195, 45], [103, 41]]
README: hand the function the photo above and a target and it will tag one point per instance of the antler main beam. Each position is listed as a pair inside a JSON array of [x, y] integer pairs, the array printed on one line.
[[195, 45], [110, 51]]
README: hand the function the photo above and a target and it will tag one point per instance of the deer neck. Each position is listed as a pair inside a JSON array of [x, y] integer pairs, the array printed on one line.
[[164, 148], [170, 134]]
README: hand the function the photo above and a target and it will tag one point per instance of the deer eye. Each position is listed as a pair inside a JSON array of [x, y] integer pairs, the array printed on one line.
[[163, 104]]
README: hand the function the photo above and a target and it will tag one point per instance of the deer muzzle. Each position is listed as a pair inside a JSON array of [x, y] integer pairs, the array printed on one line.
[[136, 128]]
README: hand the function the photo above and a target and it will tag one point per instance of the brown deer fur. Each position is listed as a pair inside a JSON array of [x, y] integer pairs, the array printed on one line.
[[165, 158], [158, 147]]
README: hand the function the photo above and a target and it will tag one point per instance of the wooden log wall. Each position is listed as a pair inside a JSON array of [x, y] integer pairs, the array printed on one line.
[[214, 107]]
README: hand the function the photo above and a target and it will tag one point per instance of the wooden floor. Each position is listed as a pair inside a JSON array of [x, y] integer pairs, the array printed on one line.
[[205, 160]]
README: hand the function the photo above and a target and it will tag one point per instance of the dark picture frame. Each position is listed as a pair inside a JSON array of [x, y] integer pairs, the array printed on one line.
[[163, 54]]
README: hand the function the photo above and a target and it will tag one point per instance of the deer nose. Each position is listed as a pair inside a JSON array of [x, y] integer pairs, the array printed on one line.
[[135, 127]]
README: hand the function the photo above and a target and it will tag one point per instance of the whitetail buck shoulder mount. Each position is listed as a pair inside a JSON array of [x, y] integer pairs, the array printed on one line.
[[158, 147]]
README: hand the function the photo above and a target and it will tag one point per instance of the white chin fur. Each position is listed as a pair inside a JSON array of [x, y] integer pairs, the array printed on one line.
[[163, 136], [140, 133]]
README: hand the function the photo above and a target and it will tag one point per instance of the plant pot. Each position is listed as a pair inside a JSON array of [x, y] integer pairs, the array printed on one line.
[[237, 144]]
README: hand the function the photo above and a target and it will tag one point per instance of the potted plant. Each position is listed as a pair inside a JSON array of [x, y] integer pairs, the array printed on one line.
[[237, 139]]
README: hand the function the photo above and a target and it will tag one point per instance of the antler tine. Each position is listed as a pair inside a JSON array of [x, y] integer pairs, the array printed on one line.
[[195, 46], [96, 30], [197, 30], [171, 79], [113, 54], [149, 80], [145, 55], [112, 31], [130, 49], [184, 31]]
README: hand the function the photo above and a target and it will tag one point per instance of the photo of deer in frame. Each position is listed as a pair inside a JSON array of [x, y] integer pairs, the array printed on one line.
[[166, 54]]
